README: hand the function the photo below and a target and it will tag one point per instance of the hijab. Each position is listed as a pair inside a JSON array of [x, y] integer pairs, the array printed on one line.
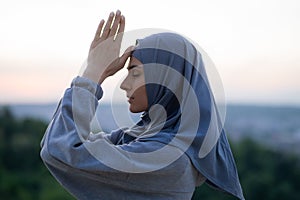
[[182, 112]]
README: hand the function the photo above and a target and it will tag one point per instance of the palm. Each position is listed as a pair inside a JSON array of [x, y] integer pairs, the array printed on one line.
[[103, 59]]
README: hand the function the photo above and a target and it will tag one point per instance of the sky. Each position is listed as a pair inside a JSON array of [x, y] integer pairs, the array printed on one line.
[[255, 45]]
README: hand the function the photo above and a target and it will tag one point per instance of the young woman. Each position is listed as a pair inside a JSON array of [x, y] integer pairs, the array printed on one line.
[[179, 142]]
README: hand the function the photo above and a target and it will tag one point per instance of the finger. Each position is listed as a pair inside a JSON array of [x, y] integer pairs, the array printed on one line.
[[107, 26], [121, 30], [129, 49], [122, 24], [126, 55], [99, 29], [115, 25]]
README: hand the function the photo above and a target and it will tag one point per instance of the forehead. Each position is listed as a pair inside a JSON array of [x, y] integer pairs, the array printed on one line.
[[134, 61]]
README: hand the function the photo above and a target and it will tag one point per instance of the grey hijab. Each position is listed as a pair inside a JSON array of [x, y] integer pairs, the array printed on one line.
[[182, 112]]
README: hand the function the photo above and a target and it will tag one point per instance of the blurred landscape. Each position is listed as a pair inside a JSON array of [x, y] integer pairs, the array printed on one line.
[[265, 141], [274, 126]]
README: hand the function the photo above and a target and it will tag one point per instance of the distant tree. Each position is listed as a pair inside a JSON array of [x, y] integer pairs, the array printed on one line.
[[264, 174], [22, 173]]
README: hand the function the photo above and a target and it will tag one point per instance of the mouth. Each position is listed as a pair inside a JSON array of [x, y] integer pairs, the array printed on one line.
[[130, 99]]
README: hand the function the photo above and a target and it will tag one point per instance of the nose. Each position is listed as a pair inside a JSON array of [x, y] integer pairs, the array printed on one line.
[[125, 84]]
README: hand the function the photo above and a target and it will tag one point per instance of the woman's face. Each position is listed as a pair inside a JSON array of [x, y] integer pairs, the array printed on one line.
[[134, 85]]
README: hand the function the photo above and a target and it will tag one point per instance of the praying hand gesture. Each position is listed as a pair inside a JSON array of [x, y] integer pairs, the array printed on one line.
[[103, 59]]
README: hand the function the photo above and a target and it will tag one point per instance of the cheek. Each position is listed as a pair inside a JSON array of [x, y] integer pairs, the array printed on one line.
[[141, 97], [137, 84]]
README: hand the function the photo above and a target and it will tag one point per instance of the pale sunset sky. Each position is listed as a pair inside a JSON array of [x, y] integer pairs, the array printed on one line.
[[255, 44]]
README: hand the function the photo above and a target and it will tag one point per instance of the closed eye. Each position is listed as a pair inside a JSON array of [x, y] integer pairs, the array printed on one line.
[[135, 73], [131, 67]]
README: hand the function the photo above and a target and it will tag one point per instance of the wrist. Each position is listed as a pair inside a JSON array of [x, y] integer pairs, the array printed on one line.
[[94, 75], [102, 78], [90, 75]]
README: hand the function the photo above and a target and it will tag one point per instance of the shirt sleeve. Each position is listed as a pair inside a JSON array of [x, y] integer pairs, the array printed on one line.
[[69, 141], [69, 128]]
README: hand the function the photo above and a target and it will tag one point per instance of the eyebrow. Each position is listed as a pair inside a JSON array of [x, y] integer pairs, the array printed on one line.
[[131, 67]]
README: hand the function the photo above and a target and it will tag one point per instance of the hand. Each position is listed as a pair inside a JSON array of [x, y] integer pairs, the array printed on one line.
[[103, 59]]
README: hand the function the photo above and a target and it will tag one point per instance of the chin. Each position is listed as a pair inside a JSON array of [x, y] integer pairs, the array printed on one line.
[[135, 110]]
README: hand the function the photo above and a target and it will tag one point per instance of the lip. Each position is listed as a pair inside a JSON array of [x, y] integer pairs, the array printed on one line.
[[130, 99]]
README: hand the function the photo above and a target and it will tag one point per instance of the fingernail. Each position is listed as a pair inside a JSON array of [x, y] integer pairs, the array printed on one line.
[[118, 12], [111, 14]]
